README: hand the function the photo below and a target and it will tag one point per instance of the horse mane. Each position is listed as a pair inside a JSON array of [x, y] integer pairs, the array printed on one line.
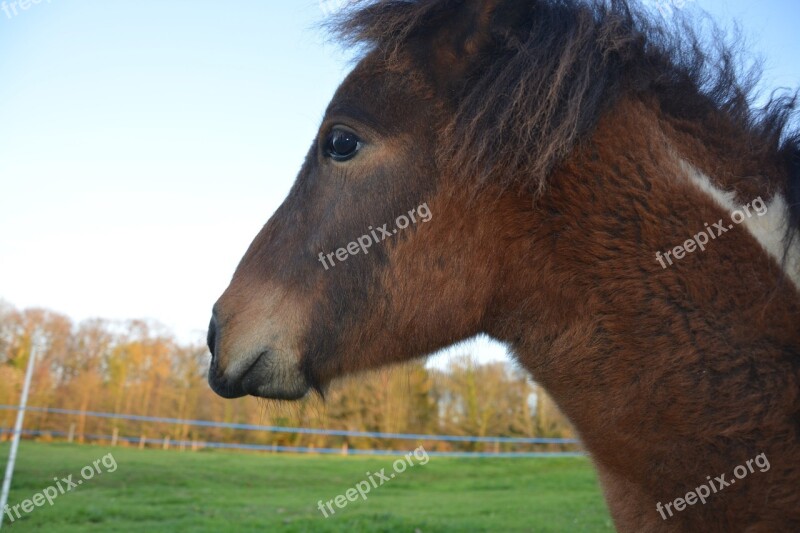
[[549, 69]]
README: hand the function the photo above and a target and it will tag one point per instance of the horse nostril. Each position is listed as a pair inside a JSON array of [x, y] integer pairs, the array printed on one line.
[[212, 335]]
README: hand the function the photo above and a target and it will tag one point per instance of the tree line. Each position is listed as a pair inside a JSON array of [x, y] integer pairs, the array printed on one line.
[[139, 367]]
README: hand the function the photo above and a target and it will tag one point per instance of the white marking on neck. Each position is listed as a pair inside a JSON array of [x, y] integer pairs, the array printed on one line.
[[768, 229]]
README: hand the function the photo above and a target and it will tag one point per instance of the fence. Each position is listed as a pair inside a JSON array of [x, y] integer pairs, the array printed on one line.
[[195, 444]]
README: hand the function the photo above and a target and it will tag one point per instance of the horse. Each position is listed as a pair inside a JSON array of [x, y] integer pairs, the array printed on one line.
[[583, 181]]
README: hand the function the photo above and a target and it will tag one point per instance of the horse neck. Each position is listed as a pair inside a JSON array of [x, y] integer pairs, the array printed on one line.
[[668, 373]]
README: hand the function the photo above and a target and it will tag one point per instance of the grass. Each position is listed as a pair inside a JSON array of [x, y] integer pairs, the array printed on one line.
[[154, 490]]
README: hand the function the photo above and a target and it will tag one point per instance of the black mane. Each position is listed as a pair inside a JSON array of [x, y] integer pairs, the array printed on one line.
[[552, 67]]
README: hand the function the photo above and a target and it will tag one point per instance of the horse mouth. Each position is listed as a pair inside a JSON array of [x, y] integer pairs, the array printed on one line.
[[268, 376]]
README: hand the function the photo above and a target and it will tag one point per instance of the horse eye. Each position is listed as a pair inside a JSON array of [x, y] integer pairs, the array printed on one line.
[[342, 145]]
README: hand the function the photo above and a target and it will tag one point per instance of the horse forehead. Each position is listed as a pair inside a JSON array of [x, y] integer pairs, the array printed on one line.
[[380, 97]]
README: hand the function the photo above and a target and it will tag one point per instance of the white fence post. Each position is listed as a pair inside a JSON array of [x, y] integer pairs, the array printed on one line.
[[23, 401]]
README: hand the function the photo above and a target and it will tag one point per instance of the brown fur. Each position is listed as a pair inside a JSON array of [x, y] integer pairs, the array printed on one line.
[[551, 190]]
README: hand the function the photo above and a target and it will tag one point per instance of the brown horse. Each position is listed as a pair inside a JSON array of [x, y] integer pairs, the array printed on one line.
[[587, 185]]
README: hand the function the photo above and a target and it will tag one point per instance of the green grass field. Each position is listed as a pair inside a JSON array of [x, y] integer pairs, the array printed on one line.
[[154, 490]]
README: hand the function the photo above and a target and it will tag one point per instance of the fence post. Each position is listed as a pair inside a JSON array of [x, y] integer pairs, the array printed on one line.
[[344, 449], [114, 436], [71, 434], [142, 440], [165, 446], [23, 402]]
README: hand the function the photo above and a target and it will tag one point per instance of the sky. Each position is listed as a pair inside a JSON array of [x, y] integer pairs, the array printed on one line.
[[144, 144]]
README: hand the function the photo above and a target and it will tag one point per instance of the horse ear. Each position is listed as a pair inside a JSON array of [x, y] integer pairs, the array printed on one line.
[[463, 39]]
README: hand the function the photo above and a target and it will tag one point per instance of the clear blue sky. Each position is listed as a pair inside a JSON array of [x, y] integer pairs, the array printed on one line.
[[143, 144]]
